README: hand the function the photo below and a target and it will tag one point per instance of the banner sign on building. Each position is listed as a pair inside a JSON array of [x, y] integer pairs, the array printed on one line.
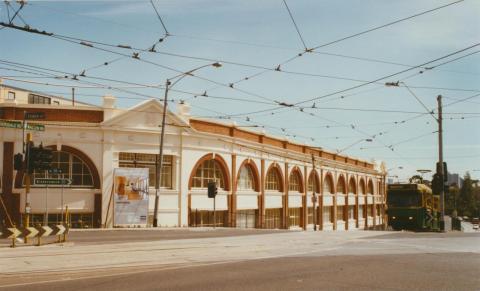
[[130, 196]]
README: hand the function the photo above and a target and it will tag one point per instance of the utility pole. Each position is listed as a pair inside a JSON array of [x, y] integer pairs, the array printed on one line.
[[440, 160], [314, 198], [73, 96]]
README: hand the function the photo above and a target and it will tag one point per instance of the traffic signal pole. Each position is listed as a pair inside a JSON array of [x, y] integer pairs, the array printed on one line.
[[314, 198], [27, 184], [440, 160]]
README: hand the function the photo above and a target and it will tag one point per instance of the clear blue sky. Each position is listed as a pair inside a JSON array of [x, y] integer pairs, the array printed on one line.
[[261, 33]]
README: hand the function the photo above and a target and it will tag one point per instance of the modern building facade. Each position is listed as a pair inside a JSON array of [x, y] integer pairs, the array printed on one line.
[[264, 181]]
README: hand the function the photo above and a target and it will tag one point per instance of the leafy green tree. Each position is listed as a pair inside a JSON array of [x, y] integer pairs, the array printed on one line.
[[451, 200], [467, 202]]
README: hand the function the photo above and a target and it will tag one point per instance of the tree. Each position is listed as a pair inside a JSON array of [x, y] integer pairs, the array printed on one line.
[[467, 202], [451, 200]]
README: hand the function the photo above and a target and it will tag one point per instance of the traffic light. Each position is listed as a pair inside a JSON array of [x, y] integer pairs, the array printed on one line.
[[33, 158], [445, 171], [46, 157], [38, 158], [437, 184], [212, 189], [18, 162]]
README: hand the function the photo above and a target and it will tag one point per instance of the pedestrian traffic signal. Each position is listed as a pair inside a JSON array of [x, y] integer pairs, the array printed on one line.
[[18, 162], [212, 189]]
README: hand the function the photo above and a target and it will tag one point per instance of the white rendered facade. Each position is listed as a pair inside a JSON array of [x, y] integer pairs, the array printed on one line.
[[190, 143]]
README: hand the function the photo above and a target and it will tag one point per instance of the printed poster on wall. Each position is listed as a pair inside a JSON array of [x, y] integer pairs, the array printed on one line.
[[130, 196]]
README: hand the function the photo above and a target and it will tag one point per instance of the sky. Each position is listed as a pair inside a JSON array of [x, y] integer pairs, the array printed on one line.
[[335, 74]]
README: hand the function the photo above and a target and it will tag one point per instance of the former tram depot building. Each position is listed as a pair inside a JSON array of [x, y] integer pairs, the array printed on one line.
[[263, 181]]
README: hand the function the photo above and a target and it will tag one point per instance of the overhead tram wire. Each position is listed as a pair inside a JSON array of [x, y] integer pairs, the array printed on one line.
[[404, 141], [151, 50], [394, 74], [159, 18], [349, 37], [236, 42], [356, 86], [130, 84], [295, 24], [383, 77], [135, 56]]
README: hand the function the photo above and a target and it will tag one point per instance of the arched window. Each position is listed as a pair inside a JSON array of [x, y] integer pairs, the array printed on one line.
[[341, 185], [370, 187], [273, 181], [328, 185], [361, 189], [295, 181], [352, 188], [209, 170], [245, 179], [313, 183], [72, 167]]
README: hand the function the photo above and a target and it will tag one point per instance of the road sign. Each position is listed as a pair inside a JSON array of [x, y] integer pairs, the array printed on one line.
[[59, 229], [35, 127], [55, 171], [11, 232], [50, 181], [44, 231], [11, 124], [34, 115], [19, 125], [30, 232]]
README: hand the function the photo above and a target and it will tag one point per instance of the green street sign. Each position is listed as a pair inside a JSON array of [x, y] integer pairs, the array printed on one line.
[[35, 126], [10, 124], [19, 125], [49, 181]]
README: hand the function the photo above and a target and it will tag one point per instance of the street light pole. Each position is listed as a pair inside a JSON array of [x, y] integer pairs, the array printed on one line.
[[160, 156], [159, 163]]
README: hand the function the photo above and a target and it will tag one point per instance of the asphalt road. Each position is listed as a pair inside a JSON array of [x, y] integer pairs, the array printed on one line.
[[227, 260], [378, 272]]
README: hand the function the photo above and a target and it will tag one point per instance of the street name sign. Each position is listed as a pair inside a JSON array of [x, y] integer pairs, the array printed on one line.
[[34, 115], [19, 125], [50, 181]]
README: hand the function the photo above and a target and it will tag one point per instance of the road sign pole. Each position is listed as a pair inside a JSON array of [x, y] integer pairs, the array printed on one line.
[[45, 220], [214, 211], [63, 177]]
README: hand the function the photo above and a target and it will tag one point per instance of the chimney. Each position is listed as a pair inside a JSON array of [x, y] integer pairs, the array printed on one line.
[[184, 111], [108, 106]]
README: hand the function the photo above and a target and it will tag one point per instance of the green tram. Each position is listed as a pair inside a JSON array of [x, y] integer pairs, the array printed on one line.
[[413, 207]]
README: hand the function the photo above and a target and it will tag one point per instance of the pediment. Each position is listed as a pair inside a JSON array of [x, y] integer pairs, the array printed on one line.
[[146, 116]]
